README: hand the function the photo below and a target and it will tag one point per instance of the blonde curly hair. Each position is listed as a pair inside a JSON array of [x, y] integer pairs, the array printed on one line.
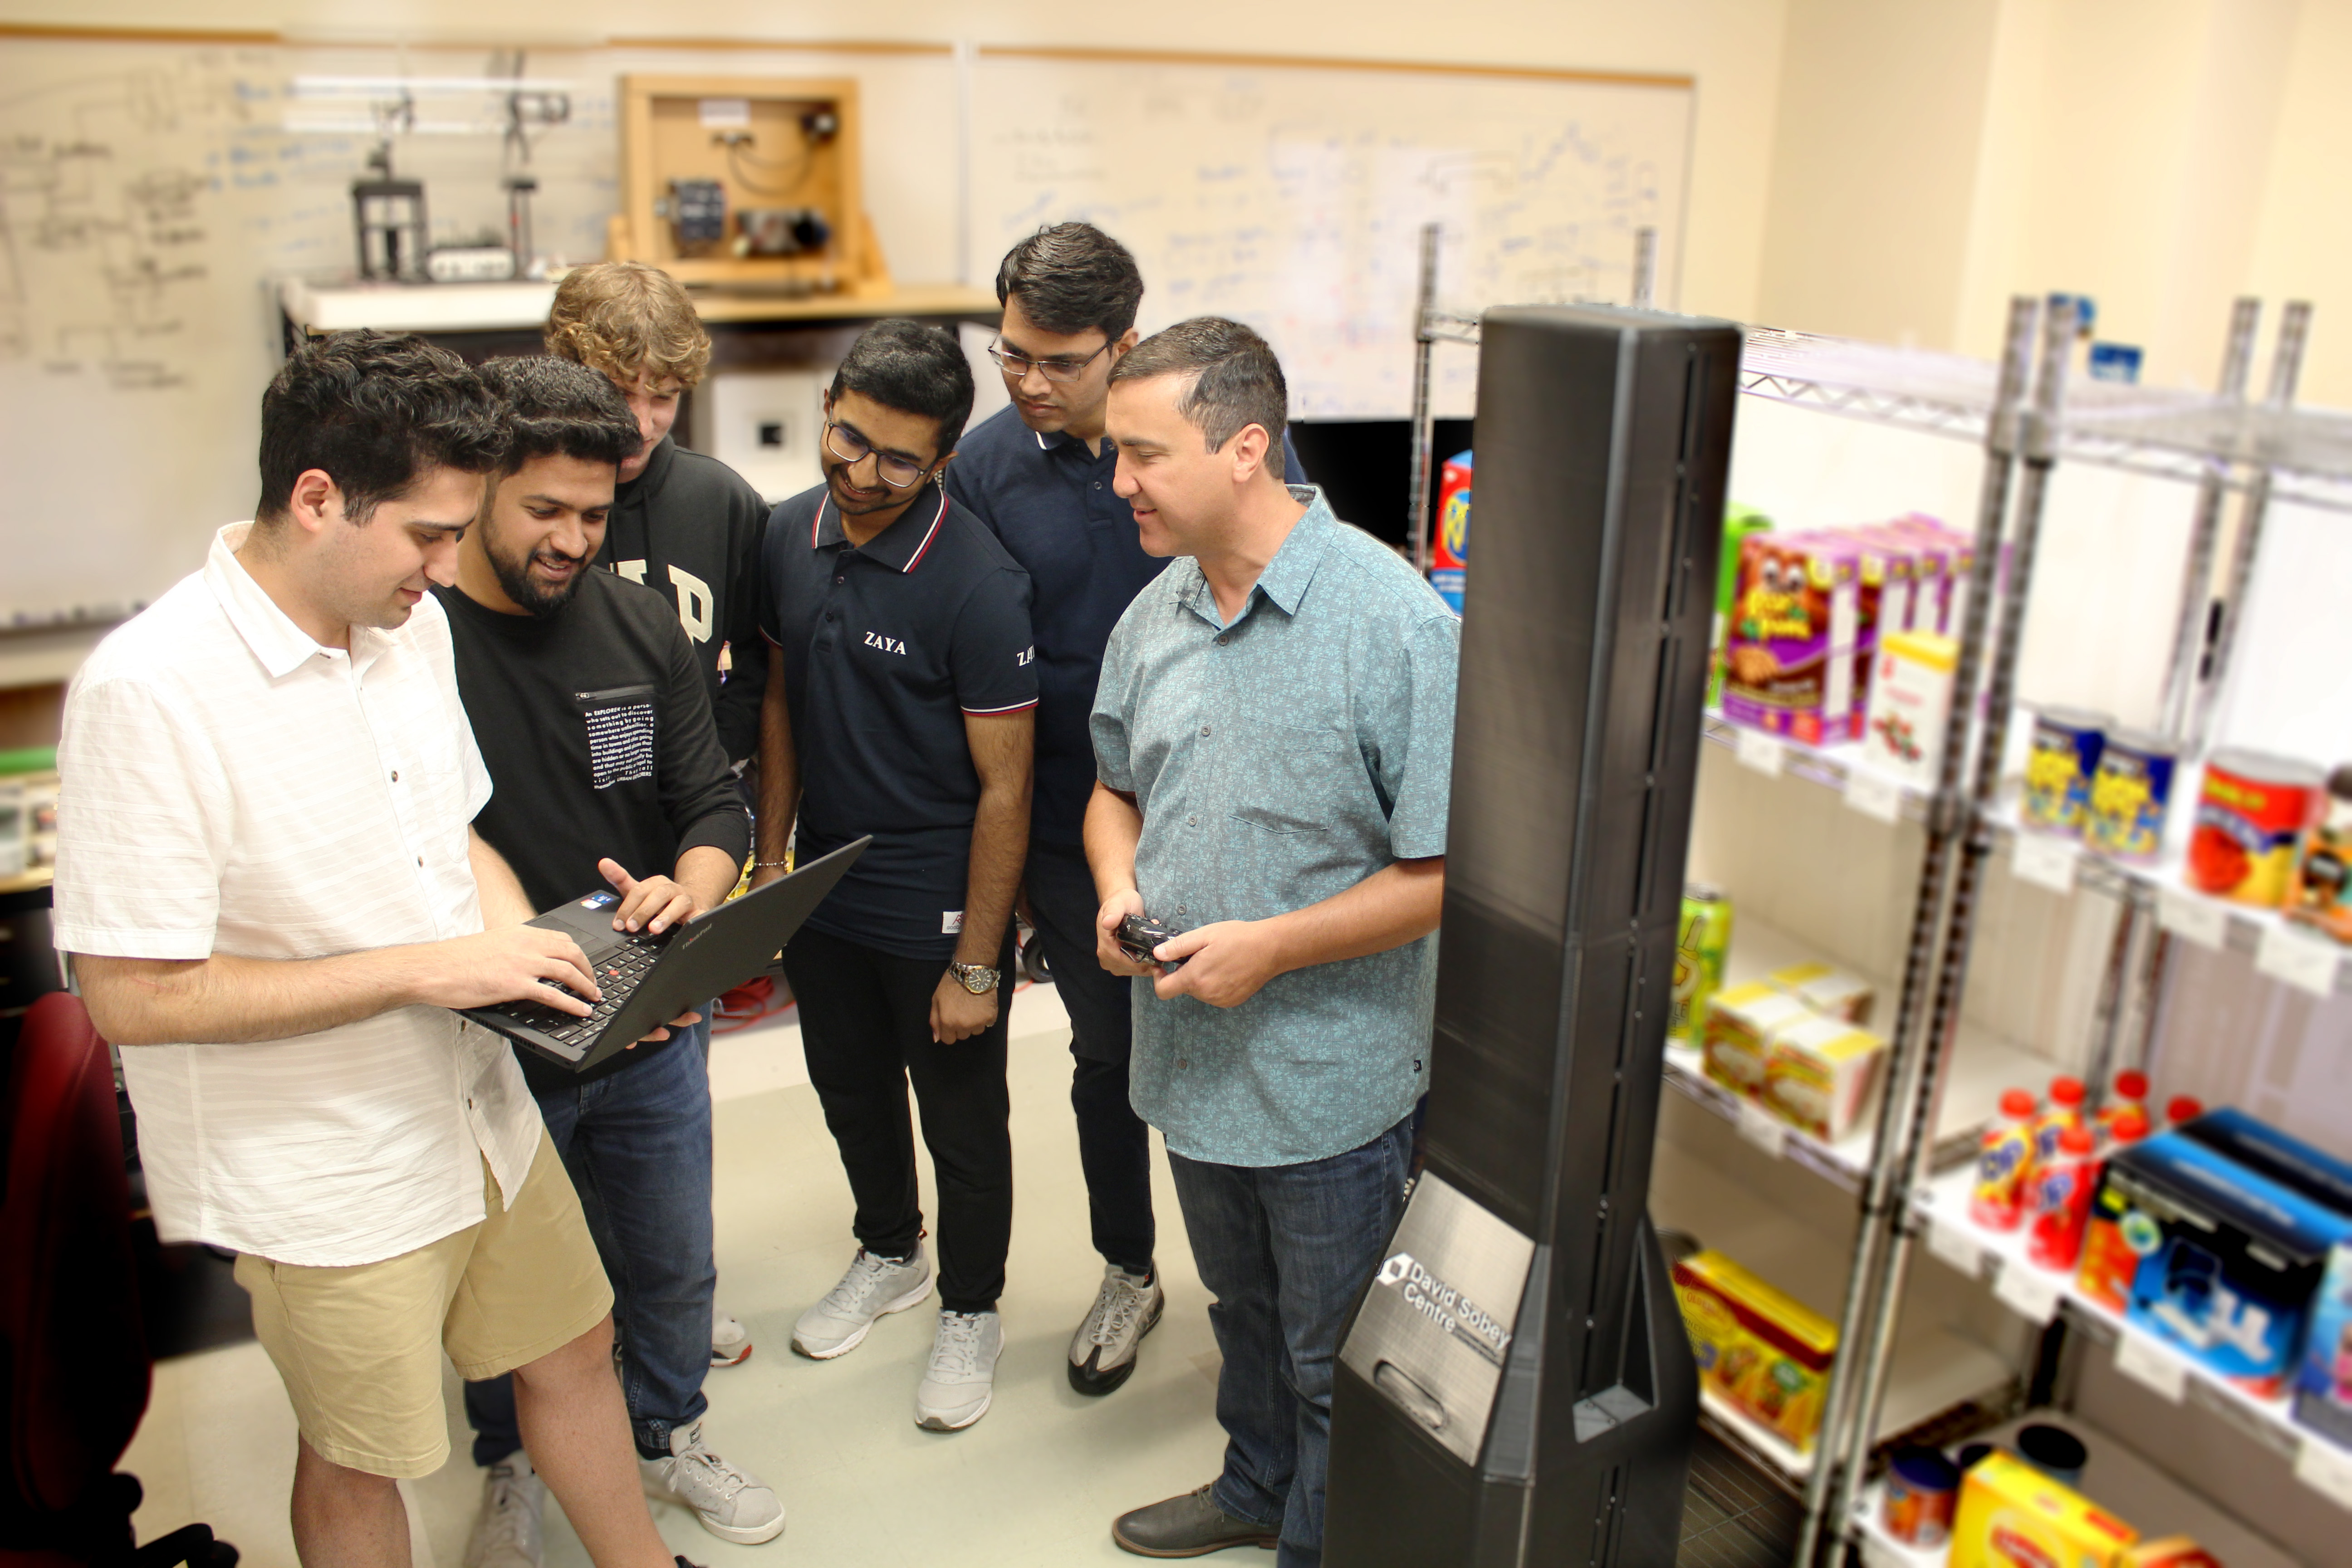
[[627, 320]]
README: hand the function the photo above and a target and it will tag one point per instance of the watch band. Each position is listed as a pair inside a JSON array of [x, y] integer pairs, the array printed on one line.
[[966, 974]]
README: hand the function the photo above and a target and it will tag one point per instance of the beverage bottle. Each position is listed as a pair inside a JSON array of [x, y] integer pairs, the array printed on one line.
[[2061, 1192], [2130, 1095], [1998, 1201], [2183, 1108], [2065, 1110]]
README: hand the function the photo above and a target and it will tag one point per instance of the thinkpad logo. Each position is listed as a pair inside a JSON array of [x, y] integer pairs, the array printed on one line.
[[888, 644]]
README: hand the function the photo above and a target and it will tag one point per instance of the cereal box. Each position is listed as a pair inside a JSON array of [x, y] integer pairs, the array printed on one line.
[[1795, 629], [2013, 1516]]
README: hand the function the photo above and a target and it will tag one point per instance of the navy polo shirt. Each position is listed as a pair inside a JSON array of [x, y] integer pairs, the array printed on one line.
[[1050, 502], [886, 648]]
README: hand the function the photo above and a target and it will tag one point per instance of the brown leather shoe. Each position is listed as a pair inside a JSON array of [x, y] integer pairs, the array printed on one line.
[[1187, 1526]]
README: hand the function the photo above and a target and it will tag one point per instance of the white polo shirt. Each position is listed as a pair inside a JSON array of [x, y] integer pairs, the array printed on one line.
[[226, 785]]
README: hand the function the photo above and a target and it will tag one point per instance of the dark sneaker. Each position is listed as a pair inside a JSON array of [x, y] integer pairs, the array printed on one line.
[[1127, 1307], [1187, 1526]]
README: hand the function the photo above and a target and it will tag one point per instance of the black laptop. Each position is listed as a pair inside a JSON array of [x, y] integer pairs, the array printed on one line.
[[647, 980]]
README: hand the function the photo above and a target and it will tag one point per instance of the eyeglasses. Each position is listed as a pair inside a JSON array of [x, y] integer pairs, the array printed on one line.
[[853, 449], [1017, 365]]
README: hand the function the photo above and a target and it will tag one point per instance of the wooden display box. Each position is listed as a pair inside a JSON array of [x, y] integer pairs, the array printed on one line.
[[752, 135]]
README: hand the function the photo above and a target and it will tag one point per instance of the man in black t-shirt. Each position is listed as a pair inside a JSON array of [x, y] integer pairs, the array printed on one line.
[[588, 705], [900, 691], [683, 523]]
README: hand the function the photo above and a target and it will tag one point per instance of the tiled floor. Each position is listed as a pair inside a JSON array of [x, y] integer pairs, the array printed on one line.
[[1036, 1482]]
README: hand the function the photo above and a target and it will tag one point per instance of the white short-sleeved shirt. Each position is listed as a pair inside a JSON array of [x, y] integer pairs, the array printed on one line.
[[227, 785]]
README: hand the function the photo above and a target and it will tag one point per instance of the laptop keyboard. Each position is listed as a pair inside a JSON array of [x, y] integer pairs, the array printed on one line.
[[618, 973]]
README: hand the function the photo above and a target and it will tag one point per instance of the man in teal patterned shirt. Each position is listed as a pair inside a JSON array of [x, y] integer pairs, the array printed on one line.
[[1273, 738]]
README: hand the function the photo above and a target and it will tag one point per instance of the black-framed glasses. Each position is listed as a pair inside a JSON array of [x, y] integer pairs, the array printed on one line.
[[853, 449], [1017, 365]]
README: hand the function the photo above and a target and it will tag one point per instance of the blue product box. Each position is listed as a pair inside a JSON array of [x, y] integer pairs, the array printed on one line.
[[1448, 584], [2265, 1150], [2323, 1385], [2215, 1260]]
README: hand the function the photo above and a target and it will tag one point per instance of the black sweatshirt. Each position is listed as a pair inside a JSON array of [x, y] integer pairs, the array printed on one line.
[[598, 737], [689, 529]]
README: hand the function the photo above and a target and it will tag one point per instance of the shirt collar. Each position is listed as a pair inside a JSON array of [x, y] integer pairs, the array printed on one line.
[[1057, 440], [902, 545], [281, 645], [1284, 582]]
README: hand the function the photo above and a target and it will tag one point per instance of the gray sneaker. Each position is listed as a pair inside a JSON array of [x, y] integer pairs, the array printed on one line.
[[1127, 1307], [873, 1287], [961, 1378], [506, 1531], [733, 1504], [730, 1342]]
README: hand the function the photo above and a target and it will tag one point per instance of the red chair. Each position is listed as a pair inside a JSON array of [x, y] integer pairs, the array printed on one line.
[[73, 1356]]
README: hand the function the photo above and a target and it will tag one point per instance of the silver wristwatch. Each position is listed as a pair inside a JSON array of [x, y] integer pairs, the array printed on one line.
[[976, 978]]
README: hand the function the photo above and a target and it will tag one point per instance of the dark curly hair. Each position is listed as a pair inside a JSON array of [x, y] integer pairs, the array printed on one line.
[[376, 411], [558, 406]]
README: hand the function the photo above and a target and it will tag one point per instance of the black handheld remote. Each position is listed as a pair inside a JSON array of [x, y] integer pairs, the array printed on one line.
[[1138, 934]]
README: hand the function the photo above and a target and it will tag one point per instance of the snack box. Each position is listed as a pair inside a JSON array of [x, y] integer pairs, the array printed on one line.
[[1946, 561], [1817, 1072], [2013, 1516], [2172, 1552], [1795, 629], [1827, 990], [1910, 706], [1765, 1354], [2213, 1258], [1741, 1023]]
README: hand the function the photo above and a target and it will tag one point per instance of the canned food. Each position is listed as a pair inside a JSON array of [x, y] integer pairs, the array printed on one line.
[[1922, 1488], [1700, 949], [2059, 769], [2250, 816], [2130, 794]]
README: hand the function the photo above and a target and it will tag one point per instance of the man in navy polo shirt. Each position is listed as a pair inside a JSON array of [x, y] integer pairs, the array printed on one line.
[[901, 703], [1039, 475]]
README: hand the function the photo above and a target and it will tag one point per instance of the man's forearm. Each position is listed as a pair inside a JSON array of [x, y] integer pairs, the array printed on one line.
[[1114, 827], [225, 1000], [1000, 844], [780, 774], [1396, 904], [708, 872]]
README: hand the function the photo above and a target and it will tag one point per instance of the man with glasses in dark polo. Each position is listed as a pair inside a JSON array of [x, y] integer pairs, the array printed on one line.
[[900, 704], [1039, 475]]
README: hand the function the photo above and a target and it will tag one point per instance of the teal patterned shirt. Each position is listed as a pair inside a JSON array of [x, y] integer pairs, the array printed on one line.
[[1279, 759]]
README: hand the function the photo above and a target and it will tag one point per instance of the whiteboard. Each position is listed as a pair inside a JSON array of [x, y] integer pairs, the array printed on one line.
[[150, 191], [1291, 196]]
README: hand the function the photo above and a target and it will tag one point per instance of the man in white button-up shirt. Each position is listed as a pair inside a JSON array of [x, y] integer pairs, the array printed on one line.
[[272, 894]]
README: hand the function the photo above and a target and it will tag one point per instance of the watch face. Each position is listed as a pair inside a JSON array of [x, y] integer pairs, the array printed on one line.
[[980, 982]]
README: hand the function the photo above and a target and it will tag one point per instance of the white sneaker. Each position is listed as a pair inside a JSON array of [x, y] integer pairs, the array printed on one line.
[[1127, 1307], [733, 1504], [873, 1287], [730, 1342], [506, 1531], [961, 1379]]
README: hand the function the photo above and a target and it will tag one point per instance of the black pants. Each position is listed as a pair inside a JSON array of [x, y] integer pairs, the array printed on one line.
[[1114, 1145], [865, 1026]]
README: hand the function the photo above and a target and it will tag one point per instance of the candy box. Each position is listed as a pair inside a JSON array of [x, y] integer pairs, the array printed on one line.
[[1817, 1071], [2214, 1258], [2013, 1516], [1795, 629], [1766, 1354], [1741, 1023]]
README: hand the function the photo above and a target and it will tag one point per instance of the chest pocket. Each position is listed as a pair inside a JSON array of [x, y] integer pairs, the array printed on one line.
[[621, 734], [1285, 778]]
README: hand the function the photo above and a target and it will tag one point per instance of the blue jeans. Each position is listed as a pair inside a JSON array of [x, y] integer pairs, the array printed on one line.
[[1285, 1250], [637, 1143]]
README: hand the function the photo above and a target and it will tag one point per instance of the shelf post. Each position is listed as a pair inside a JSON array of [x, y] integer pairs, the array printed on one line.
[[1886, 1190], [2188, 632], [1424, 421], [2286, 368], [2037, 440]]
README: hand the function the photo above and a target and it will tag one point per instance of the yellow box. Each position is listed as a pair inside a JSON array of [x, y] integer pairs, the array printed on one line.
[[1766, 1354], [1740, 1023], [2012, 1514], [1817, 1072]]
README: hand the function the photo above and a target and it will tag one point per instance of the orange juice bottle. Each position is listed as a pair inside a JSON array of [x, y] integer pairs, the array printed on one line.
[[1998, 1201]]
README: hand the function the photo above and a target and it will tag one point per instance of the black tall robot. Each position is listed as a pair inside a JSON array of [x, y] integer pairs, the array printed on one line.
[[1516, 1388]]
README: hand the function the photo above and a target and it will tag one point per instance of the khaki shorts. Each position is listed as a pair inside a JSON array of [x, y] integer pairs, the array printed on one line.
[[360, 1347]]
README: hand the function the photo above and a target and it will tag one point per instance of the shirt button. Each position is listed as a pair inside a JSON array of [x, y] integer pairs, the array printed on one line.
[[1204, 728], [1097, 484], [1192, 822], [1220, 642], [843, 579], [1180, 909], [396, 776], [1183, 1061]]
